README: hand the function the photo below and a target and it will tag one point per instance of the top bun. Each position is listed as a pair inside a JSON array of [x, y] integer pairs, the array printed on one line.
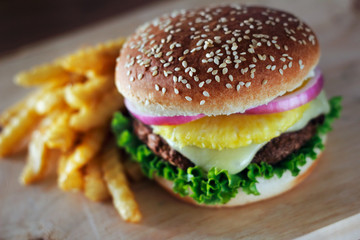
[[216, 60]]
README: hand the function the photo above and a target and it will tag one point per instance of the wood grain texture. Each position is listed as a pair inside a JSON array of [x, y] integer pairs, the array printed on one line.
[[329, 195]]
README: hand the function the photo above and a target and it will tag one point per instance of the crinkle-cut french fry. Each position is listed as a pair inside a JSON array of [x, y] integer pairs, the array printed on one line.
[[100, 59], [118, 185], [73, 181], [6, 115], [38, 152], [81, 94], [95, 187], [59, 135], [36, 163], [89, 146], [43, 74], [18, 128], [27, 103], [98, 113], [51, 100]]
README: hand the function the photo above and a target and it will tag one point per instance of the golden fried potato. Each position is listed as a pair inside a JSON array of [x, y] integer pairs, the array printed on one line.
[[95, 187], [81, 94], [59, 135], [98, 113], [35, 167], [89, 146], [73, 181], [18, 128], [99, 59], [12, 111], [51, 100], [47, 73], [26, 103], [118, 185]]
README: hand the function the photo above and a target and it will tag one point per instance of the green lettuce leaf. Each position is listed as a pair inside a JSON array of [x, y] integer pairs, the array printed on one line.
[[217, 186]]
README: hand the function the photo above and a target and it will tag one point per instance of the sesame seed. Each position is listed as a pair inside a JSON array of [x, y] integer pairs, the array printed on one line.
[[272, 58], [238, 87], [217, 78], [206, 94], [247, 84], [154, 73], [176, 91], [201, 84], [222, 65], [163, 90], [281, 71], [231, 78], [273, 67], [264, 82], [202, 102], [208, 81], [228, 85], [251, 50], [224, 71], [214, 72], [132, 79], [157, 88], [184, 63], [166, 64], [177, 69], [188, 98]]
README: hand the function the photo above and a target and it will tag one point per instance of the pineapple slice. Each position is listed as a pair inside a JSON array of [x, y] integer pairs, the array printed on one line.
[[233, 131]]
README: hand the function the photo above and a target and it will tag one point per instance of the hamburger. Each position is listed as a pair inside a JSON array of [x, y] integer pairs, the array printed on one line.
[[225, 103]]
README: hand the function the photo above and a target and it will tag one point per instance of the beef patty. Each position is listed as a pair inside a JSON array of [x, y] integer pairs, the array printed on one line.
[[273, 152]]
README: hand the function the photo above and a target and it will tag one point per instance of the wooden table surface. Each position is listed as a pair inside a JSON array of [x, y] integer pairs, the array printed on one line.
[[327, 204]]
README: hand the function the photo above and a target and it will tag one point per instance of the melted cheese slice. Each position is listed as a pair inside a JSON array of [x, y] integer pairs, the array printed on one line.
[[236, 159]]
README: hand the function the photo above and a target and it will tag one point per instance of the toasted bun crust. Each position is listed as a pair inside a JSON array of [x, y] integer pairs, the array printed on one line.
[[268, 188], [216, 60]]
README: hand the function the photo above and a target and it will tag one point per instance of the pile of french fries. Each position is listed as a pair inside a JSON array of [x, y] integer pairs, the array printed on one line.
[[66, 123]]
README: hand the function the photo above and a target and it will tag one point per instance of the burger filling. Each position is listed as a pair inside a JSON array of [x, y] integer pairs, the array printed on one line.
[[214, 176]]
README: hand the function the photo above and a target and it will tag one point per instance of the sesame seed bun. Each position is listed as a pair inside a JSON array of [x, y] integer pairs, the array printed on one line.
[[268, 188], [216, 60]]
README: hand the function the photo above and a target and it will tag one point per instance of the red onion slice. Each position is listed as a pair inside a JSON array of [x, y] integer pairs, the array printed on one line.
[[159, 120], [292, 100]]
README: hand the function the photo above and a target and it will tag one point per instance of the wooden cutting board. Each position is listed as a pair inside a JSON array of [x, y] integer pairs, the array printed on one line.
[[329, 197]]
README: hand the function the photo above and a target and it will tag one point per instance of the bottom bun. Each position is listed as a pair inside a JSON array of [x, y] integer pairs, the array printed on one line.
[[267, 188]]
